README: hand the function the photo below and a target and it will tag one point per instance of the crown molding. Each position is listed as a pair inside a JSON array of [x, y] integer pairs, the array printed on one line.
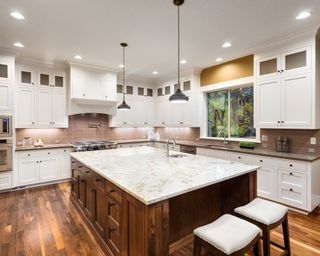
[[8, 51], [24, 60], [183, 73], [91, 66]]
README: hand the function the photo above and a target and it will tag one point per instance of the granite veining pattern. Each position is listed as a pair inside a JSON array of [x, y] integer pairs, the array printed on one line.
[[148, 175]]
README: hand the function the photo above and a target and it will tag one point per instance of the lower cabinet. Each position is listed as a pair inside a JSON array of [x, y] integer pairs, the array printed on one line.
[[100, 201], [5, 180], [43, 165], [293, 183]]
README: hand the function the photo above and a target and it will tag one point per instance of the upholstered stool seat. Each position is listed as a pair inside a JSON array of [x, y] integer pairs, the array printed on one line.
[[267, 215], [228, 235]]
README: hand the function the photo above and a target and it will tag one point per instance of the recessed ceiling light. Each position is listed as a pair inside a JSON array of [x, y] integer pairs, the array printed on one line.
[[121, 65], [17, 15], [183, 61], [155, 72], [226, 45], [18, 44], [78, 57], [303, 15], [219, 59]]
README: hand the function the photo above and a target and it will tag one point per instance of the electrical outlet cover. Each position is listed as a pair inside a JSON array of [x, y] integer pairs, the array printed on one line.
[[313, 140]]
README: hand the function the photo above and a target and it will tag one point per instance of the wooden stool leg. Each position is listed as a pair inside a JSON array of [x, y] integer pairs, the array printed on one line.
[[266, 242], [257, 248], [286, 237], [196, 246]]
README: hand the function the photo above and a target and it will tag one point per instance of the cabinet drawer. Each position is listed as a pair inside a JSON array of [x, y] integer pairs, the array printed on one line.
[[292, 178], [5, 180], [292, 165], [242, 158], [99, 182], [114, 212], [113, 238], [263, 162], [37, 154], [87, 174], [292, 195], [114, 192]]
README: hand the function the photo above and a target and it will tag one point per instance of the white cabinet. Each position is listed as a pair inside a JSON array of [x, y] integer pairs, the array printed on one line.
[[51, 109], [43, 165], [25, 111], [7, 69], [285, 90], [92, 84], [65, 163], [5, 180], [41, 98], [5, 97]]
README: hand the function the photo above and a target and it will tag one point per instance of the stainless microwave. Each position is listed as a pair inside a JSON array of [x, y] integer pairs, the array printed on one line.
[[5, 126]]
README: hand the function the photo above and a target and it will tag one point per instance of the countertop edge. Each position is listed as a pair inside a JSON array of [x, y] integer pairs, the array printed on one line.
[[49, 146]]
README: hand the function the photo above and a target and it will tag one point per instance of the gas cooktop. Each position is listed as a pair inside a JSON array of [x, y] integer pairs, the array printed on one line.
[[79, 146]]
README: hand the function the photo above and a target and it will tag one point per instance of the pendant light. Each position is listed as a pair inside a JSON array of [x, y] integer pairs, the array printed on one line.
[[123, 105], [178, 96]]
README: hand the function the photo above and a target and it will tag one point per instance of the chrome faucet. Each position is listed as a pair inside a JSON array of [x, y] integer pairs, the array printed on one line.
[[225, 142], [168, 144]]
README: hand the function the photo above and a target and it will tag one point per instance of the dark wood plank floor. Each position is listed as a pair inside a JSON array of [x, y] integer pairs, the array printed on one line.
[[43, 221]]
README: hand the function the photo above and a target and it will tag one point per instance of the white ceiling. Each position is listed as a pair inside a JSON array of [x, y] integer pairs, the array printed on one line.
[[56, 30]]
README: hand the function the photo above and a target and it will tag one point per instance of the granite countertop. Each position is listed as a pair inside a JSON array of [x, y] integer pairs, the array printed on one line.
[[46, 146], [148, 175], [257, 151]]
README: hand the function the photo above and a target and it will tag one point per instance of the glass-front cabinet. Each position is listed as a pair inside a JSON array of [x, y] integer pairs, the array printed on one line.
[[47, 79], [268, 66], [26, 77]]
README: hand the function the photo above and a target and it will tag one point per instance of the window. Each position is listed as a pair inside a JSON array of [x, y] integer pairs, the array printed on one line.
[[232, 112]]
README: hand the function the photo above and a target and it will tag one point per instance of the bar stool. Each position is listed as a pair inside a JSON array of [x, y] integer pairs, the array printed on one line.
[[267, 216], [228, 235]]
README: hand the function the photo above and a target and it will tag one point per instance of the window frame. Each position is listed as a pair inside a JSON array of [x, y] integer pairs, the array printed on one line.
[[204, 110]]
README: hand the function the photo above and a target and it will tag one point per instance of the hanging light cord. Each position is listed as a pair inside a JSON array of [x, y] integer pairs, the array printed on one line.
[[123, 72], [178, 47]]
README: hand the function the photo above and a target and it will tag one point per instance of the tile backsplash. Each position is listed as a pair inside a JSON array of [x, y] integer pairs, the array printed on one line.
[[79, 130]]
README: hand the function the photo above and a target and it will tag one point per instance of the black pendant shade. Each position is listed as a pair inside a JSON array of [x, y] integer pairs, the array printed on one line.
[[123, 105], [178, 96]]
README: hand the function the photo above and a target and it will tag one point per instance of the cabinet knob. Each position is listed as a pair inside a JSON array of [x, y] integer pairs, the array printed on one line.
[[282, 70], [48, 153], [53, 122], [239, 157], [278, 122], [290, 173], [32, 122], [145, 122], [290, 165], [28, 154], [83, 95], [261, 161], [181, 122], [282, 122], [32, 83], [291, 189]]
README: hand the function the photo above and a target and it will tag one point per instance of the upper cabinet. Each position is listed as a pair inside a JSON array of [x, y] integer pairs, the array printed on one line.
[[286, 88], [7, 67], [96, 85], [41, 98]]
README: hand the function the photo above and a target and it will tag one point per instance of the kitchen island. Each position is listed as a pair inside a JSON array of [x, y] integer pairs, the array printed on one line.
[[138, 201]]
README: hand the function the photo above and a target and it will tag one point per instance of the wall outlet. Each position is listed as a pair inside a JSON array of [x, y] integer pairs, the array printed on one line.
[[313, 140], [311, 150]]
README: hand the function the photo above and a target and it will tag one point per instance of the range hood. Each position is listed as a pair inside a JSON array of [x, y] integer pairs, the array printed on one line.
[[92, 89]]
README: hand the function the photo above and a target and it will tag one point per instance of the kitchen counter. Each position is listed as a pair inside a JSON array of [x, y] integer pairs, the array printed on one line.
[[258, 151], [46, 146], [149, 176]]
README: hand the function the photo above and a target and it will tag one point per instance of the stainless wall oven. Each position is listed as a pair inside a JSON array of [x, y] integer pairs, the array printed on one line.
[[5, 126], [5, 155]]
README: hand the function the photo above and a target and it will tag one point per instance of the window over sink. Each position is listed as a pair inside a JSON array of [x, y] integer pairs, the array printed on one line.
[[232, 112]]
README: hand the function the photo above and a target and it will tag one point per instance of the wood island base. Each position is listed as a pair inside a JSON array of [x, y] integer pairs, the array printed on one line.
[[125, 226]]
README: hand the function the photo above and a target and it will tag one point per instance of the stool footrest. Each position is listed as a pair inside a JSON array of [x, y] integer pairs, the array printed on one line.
[[278, 245]]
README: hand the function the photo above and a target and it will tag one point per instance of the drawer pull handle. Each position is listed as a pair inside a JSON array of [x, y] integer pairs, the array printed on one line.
[[291, 173], [73, 162], [290, 165], [112, 204], [87, 171], [98, 180], [113, 229], [80, 166], [291, 189], [83, 181], [112, 190]]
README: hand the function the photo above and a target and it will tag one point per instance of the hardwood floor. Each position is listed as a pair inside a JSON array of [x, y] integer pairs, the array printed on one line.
[[43, 221]]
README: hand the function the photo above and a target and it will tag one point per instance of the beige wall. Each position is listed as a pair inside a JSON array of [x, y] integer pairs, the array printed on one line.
[[235, 69]]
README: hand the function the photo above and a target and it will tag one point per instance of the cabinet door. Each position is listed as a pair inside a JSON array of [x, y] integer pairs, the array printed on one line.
[[5, 97], [48, 169], [59, 116], [94, 86], [100, 212], [268, 102], [110, 87], [266, 183], [296, 61], [58, 80], [78, 82], [28, 172], [5, 180], [26, 77], [25, 107], [297, 100], [44, 107], [90, 201], [268, 67], [6, 69], [82, 190], [75, 184], [44, 79], [65, 167]]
